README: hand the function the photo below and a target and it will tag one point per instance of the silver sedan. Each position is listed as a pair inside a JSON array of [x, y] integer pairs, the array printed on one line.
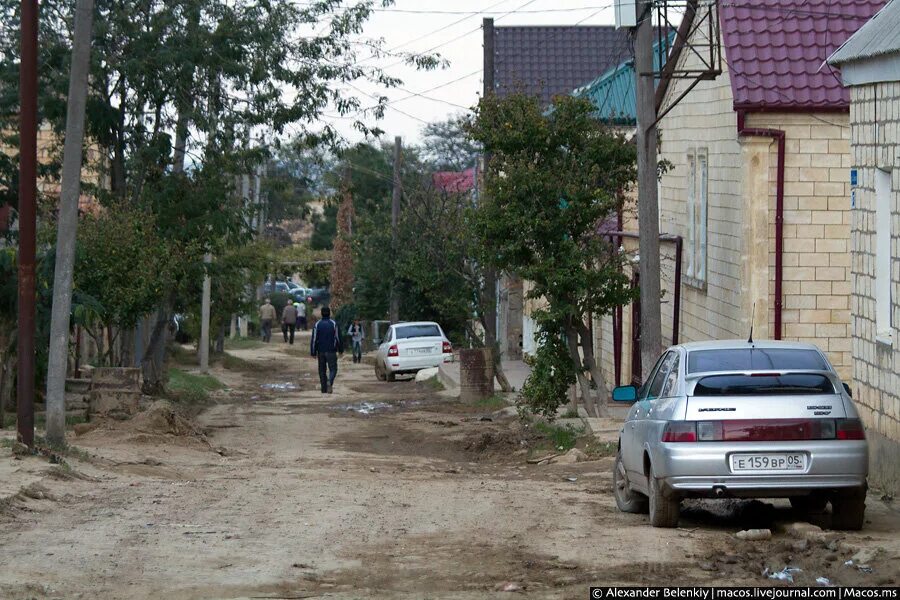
[[746, 420]]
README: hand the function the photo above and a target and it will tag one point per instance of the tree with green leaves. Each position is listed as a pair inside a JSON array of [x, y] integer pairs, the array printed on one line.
[[446, 146], [180, 94], [553, 179]]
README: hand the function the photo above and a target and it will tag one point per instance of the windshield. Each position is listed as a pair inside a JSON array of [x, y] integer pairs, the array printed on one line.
[[756, 359], [758, 385], [416, 331]]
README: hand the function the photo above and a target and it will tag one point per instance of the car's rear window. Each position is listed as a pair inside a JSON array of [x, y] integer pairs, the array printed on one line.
[[756, 359], [789, 384], [415, 331]]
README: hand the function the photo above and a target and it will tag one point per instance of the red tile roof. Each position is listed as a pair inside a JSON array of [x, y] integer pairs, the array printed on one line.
[[454, 181], [776, 51]]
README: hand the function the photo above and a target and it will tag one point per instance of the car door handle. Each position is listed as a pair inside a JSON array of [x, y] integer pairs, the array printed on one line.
[[632, 425]]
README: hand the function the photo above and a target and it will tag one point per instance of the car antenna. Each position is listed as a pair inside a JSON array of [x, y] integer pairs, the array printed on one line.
[[750, 339]]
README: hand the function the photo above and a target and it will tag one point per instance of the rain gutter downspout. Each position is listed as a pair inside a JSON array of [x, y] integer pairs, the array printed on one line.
[[778, 136]]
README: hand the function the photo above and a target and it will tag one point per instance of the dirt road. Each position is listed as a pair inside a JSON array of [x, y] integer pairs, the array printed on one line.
[[380, 490]]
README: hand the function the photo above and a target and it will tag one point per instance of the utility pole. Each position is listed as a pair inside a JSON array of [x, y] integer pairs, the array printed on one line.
[[27, 219], [648, 202], [70, 190], [490, 274], [204, 316], [395, 220]]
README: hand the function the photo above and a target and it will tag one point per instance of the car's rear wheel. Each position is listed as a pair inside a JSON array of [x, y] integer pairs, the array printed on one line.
[[848, 511], [664, 512], [627, 500], [811, 504], [390, 375], [379, 373]]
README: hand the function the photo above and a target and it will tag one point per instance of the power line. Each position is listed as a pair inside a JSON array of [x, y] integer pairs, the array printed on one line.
[[483, 12], [470, 32], [476, 71], [448, 26]]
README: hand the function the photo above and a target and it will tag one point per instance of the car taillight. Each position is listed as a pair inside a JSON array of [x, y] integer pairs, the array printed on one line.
[[680, 431], [850, 429], [778, 430], [393, 351], [448, 349]]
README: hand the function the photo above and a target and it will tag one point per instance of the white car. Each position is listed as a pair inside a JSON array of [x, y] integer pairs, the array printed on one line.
[[410, 347]]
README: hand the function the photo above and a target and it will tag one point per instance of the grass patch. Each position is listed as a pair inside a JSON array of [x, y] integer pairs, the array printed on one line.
[[243, 343], [71, 420], [561, 438], [7, 442], [180, 355], [495, 402], [234, 363], [191, 388], [9, 420], [433, 383], [595, 449]]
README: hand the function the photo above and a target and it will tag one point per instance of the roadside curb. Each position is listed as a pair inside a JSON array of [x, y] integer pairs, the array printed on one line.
[[450, 384]]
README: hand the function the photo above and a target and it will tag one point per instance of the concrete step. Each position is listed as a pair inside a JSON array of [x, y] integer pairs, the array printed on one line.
[[78, 385], [69, 414]]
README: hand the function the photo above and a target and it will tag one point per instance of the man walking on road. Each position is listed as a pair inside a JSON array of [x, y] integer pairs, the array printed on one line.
[[288, 322], [267, 316], [301, 314], [357, 334], [326, 344]]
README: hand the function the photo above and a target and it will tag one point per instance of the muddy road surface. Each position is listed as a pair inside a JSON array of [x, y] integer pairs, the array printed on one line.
[[379, 490]]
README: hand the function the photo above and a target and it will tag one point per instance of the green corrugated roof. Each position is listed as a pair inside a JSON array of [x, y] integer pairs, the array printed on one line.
[[613, 92]]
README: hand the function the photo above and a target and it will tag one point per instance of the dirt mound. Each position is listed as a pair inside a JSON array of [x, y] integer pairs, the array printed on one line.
[[162, 418], [494, 444]]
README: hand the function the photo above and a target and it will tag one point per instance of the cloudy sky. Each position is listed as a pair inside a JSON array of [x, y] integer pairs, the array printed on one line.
[[453, 29]]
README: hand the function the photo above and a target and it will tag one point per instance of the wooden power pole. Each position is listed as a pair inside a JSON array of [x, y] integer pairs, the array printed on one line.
[[648, 202], [28, 79], [490, 274], [395, 221]]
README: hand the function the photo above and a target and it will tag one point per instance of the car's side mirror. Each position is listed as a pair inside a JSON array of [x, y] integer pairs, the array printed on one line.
[[624, 393], [847, 389]]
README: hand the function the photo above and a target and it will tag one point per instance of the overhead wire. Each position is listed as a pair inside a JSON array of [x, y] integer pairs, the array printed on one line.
[[479, 70]]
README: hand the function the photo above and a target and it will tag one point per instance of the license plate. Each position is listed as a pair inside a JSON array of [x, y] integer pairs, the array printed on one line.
[[420, 350], [795, 461]]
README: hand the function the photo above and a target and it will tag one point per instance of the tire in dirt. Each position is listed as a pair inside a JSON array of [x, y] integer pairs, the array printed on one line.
[[627, 501], [664, 512]]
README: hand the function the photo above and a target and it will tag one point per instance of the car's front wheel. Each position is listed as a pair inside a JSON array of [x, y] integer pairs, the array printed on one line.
[[627, 500], [848, 511], [664, 511]]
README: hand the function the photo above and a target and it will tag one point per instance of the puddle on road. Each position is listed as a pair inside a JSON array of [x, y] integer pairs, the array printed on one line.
[[371, 408], [286, 386]]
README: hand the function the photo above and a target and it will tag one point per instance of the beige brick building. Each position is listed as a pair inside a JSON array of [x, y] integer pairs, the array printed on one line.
[[870, 66], [771, 130]]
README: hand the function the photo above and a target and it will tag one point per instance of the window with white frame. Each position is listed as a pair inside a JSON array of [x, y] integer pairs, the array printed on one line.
[[883, 323], [697, 202]]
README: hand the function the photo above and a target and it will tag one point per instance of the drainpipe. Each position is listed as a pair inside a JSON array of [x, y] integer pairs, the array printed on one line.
[[778, 136], [676, 299]]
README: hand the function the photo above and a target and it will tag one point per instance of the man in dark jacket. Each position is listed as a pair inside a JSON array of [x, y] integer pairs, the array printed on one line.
[[326, 344]]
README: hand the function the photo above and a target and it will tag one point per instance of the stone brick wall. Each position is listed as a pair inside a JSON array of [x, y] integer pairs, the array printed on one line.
[[741, 211], [816, 255], [875, 143]]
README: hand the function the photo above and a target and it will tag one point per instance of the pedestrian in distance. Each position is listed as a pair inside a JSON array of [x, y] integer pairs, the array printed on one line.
[[326, 344], [267, 316], [301, 314], [288, 322], [357, 334]]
